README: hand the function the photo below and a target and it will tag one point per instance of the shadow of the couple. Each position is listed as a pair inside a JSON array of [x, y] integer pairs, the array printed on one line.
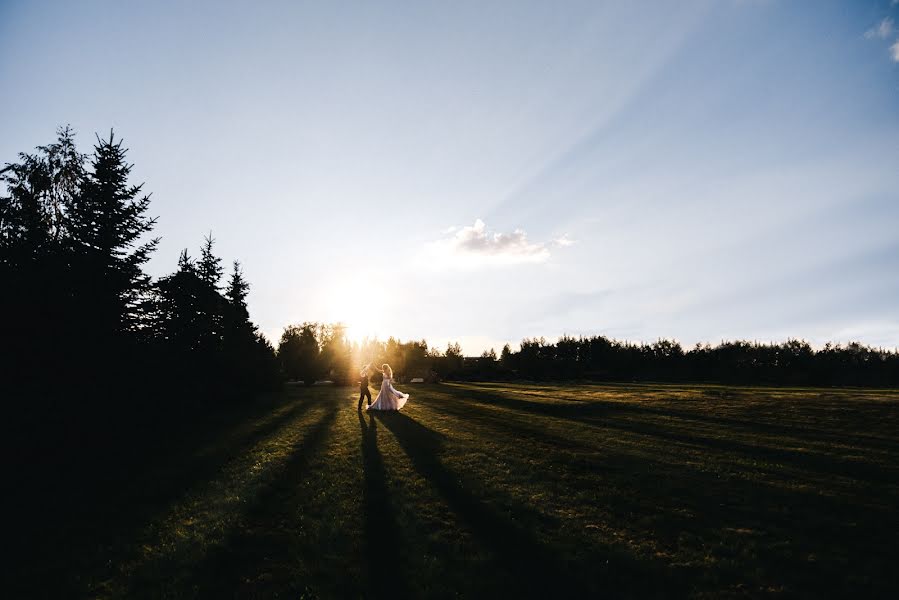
[[384, 550], [534, 569]]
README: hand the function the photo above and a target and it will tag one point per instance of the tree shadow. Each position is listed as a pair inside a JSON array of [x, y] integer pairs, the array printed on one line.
[[254, 557], [582, 411], [679, 500], [384, 551], [147, 488], [606, 415], [532, 567]]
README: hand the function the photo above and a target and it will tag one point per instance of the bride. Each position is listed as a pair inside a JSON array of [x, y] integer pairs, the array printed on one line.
[[389, 398]]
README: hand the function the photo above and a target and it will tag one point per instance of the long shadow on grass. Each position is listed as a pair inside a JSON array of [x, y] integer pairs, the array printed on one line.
[[115, 511], [383, 547], [590, 415], [255, 557], [577, 410], [680, 500], [586, 459], [534, 568]]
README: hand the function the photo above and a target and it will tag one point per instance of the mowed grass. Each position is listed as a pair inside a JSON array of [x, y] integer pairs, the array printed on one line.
[[499, 490]]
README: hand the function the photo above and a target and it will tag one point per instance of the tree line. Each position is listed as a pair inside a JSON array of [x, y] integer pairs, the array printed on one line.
[[599, 358], [81, 318], [312, 352]]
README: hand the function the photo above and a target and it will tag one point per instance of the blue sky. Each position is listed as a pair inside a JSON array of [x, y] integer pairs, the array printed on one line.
[[486, 171]]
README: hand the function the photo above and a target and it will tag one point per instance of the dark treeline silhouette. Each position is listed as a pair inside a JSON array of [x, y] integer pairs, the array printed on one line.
[[312, 352], [83, 325], [81, 320], [599, 358]]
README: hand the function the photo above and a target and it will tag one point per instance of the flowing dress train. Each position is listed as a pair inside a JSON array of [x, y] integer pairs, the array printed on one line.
[[389, 398]]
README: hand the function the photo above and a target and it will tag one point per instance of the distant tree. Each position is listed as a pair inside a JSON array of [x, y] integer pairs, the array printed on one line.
[[535, 358], [336, 354], [505, 357], [453, 359], [489, 354], [299, 353]]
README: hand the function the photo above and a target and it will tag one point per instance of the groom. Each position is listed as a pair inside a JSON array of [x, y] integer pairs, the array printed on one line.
[[363, 388]]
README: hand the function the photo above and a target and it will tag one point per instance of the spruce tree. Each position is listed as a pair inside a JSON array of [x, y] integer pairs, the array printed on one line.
[[238, 288], [108, 220], [209, 267]]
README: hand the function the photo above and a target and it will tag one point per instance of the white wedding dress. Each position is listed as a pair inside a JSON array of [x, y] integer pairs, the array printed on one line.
[[389, 398]]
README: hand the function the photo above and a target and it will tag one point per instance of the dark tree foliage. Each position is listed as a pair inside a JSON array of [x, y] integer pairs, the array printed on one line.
[[336, 354], [237, 290], [599, 358], [106, 223], [299, 353], [209, 267], [79, 314], [206, 334]]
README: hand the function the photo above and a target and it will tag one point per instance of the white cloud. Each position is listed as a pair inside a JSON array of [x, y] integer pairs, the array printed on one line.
[[894, 51], [881, 30], [475, 246], [564, 241]]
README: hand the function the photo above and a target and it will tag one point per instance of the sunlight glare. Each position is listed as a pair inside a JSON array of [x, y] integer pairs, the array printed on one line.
[[361, 311]]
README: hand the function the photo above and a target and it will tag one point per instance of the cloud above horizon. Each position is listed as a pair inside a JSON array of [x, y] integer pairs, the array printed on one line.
[[564, 241], [476, 245], [881, 31]]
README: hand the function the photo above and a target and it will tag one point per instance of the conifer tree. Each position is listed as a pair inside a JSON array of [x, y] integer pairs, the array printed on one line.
[[238, 288], [108, 221], [209, 267]]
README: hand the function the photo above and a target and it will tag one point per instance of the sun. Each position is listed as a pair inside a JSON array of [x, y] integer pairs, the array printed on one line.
[[361, 312]]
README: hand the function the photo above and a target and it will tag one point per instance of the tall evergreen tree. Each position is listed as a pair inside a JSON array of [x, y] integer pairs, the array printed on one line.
[[209, 266], [65, 174], [108, 221], [237, 289]]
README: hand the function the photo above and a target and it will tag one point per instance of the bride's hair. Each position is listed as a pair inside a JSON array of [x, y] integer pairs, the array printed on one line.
[[387, 371]]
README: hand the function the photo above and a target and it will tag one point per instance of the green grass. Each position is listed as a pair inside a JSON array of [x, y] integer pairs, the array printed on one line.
[[502, 490]]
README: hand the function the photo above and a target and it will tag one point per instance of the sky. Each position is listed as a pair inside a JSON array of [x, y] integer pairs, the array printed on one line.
[[487, 171]]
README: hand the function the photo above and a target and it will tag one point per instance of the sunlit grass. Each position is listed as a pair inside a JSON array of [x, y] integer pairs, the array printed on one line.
[[516, 489]]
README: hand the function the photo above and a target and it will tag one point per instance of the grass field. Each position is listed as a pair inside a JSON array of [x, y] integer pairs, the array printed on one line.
[[503, 490]]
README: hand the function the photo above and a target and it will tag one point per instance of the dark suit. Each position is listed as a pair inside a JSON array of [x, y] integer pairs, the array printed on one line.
[[364, 392]]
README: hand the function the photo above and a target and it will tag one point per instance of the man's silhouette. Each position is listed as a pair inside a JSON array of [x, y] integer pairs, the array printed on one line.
[[363, 388]]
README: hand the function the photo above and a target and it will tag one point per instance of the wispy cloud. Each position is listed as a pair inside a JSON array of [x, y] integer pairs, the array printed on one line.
[[564, 241], [476, 245], [894, 51], [881, 31]]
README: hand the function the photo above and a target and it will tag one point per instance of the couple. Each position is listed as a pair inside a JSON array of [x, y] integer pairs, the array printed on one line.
[[388, 398]]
